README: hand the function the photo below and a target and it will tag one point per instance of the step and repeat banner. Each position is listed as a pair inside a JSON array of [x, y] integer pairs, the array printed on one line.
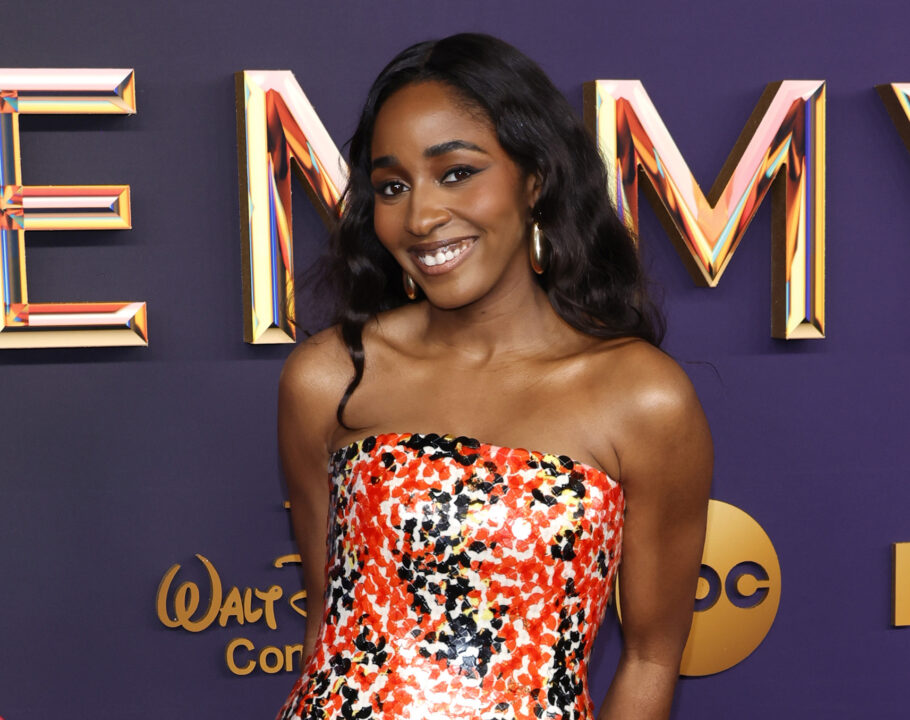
[[165, 173]]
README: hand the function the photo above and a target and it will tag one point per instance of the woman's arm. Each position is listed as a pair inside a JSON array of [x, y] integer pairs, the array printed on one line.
[[666, 457], [311, 384]]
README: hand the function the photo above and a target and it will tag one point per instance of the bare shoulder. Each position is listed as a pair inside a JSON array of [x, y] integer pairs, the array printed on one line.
[[317, 364], [646, 382], [312, 382], [656, 414]]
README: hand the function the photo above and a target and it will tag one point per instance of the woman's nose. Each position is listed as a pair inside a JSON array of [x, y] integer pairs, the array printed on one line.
[[426, 211]]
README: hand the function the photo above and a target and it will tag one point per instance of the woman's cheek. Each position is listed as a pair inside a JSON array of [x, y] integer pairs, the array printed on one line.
[[384, 224], [493, 204]]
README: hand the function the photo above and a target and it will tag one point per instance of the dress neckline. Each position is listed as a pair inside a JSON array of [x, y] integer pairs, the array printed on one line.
[[585, 467]]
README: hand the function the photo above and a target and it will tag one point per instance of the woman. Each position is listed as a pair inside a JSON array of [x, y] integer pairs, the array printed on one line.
[[490, 301]]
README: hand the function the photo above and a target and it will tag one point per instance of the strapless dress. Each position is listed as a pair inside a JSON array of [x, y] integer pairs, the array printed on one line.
[[464, 581]]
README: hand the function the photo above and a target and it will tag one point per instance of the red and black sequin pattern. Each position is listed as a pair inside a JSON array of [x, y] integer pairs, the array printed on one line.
[[465, 581]]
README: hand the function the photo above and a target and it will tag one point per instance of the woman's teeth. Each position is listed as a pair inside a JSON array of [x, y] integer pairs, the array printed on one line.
[[443, 254]]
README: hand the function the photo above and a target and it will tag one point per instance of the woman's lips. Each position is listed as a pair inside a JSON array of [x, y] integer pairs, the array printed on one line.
[[440, 258]]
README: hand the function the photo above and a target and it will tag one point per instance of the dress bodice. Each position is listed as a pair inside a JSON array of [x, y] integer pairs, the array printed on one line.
[[465, 581]]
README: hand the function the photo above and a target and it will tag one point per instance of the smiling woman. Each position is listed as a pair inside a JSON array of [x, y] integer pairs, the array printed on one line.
[[487, 290], [447, 194]]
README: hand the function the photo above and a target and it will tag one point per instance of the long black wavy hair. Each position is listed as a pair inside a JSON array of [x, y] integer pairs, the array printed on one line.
[[593, 277]]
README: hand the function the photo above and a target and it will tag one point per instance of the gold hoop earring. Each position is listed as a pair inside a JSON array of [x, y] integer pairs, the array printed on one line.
[[410, 287], [538, 250]]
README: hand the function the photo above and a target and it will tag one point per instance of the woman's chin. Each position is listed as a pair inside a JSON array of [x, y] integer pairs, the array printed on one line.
[[454, 299]]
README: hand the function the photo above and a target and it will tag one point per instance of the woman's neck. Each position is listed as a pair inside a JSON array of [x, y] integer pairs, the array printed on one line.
[[516, 321]]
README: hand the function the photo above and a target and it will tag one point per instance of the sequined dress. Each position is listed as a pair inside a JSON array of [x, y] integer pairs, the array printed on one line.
[[465, 581]]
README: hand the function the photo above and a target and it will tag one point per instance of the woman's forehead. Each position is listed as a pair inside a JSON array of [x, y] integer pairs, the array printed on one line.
[[428, 114]]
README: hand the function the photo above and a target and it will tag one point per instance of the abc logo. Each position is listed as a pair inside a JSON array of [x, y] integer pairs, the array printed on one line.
[[738, 592], [737, 595]]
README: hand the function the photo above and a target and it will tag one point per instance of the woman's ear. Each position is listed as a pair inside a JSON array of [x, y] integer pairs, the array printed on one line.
[[534, 187]]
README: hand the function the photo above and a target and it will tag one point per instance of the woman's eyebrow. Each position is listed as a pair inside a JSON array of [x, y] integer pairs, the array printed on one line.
[[447, 147], [384, 161]]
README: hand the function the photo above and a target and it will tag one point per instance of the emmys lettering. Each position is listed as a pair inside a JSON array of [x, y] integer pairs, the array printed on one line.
[[900, 616], [783, 145], [194, 609]]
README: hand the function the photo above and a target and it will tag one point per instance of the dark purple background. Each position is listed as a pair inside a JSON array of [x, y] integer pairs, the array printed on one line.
[[118, 463]]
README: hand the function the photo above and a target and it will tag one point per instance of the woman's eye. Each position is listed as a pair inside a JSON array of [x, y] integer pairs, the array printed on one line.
[[458, 174], [391, 188]]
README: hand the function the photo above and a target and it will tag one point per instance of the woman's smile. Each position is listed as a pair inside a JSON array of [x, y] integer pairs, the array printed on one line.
[[442, 256]]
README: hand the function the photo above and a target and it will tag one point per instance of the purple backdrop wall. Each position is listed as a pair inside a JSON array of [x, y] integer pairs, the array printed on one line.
[[119, 463]]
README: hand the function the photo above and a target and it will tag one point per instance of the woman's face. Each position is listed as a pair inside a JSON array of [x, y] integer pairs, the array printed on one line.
[[450, 204]]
